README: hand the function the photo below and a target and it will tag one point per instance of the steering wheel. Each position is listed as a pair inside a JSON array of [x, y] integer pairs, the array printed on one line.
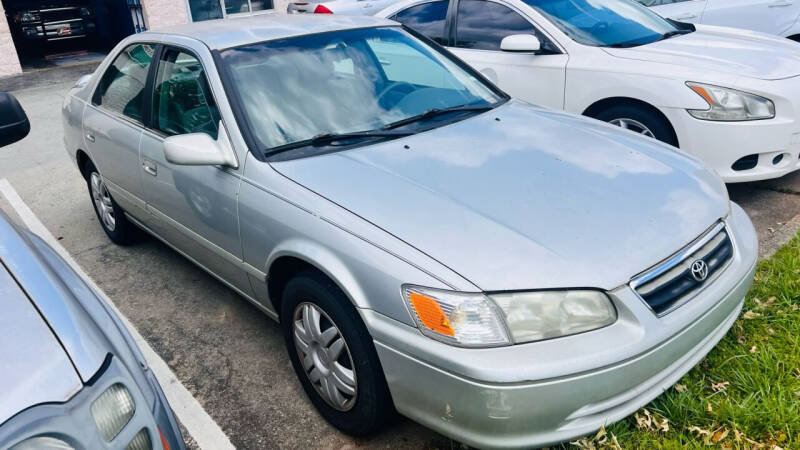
[[392, 87]]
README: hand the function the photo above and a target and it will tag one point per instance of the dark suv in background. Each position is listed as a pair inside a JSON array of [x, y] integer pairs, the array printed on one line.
[[50, 20]]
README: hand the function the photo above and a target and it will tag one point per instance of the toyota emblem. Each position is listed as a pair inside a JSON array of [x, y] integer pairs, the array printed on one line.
[[699, 270]]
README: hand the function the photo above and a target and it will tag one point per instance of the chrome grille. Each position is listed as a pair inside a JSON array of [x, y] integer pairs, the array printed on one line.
[[672, 282]]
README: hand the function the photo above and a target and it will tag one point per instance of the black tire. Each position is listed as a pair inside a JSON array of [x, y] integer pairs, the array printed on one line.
[[657, 124], [123, 231], [372, 405]]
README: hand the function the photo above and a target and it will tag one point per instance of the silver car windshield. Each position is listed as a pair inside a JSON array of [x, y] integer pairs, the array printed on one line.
[[355, 81]]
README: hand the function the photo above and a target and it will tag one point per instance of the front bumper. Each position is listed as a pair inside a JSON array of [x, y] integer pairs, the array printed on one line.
[[547, 392], [72, 421], [721, 144]]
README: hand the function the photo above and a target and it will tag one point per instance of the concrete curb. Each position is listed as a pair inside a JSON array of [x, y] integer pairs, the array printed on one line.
[[778, 238]]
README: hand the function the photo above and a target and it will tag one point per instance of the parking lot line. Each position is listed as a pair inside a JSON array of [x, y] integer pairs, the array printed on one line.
[[203, 429]]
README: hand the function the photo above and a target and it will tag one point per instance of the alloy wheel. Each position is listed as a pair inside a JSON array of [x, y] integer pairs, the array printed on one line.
[[102, 202], [325, 356], [632, 125]]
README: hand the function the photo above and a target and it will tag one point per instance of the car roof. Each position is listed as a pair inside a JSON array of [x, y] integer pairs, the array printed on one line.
[[232, 32]]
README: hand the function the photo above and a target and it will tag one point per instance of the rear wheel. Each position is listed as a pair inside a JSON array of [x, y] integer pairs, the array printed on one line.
[[111, 216], [640, 120], [333, 355]]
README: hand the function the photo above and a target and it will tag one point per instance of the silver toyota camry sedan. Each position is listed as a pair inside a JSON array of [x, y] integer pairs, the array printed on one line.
[[507, 275]]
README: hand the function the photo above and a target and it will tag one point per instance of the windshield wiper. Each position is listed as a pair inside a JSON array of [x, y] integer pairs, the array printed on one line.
[[323, 139], [431, 113], [666, 35]]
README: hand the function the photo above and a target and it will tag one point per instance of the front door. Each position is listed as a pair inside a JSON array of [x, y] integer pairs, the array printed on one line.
[[480, 26], [192, 207], [681, 10], [766, 16]]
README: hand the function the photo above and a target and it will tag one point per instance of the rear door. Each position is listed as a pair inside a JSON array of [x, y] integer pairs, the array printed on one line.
[[681, 10], [766, 16], [480, 26], [113, 124]]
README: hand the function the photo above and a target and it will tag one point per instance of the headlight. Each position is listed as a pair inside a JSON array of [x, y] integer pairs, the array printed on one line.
[[730, 105], [478, 320], [30, 17], [42, 443], [112, 410], [533, 316], [456, 318], [140, 442]]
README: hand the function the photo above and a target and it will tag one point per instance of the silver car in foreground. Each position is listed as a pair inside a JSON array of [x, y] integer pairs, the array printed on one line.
[[507, 275], [72, 376]]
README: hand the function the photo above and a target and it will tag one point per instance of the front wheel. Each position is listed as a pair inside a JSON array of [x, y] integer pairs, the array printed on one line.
[[333, 355], [639, 120], [112, 218]]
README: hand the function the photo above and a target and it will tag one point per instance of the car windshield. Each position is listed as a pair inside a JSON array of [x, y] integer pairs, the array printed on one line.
[[294, 91], [606, 23]]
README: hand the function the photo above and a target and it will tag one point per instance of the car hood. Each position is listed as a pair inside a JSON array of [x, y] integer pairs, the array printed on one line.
[[524, 198], [35, 367], [724, 50]]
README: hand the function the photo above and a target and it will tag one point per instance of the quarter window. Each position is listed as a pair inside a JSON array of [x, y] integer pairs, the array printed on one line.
[[482, 25], [182, 100], [122, 86], [427, 19]]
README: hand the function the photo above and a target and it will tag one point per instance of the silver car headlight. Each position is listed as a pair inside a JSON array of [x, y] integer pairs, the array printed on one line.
[[726, 104], [456, 318], [538, 315], [112, 410]]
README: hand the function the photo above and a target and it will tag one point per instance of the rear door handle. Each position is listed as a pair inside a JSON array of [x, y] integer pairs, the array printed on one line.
[[90, 137], [150, 167]]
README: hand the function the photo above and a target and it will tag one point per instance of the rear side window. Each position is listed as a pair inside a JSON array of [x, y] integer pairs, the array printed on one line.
[[182, 100], [121, 88], [427, 19], [482, 24]]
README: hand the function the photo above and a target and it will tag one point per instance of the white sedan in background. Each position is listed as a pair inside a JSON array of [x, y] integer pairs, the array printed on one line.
[[727, 96], [778, 17]]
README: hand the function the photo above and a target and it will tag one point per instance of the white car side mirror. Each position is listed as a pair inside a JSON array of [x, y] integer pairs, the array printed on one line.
[[520, 43], [200, 149]]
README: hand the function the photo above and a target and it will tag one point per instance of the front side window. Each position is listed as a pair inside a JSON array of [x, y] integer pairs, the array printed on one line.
[[483, 24], [182, 100], [606, 23], [427, 19], [293, 90], [121, 88]]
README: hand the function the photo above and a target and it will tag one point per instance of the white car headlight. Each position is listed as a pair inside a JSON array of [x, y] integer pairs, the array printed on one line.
[[112, 410], [456, 318], [534, 316], [730, 105]]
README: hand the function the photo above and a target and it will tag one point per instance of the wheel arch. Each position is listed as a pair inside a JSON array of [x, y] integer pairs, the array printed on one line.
[[82, 159], [600, 105], [295, 257]]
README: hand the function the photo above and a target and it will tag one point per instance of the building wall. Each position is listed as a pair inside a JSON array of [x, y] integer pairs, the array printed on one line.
[[162, 13], [9, 62]]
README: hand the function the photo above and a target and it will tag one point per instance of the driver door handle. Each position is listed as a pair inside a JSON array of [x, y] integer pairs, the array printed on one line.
[[686, 17], [150, 166], [90, 137], [780, 4]]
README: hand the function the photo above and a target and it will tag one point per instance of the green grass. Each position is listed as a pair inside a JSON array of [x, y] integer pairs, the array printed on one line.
[[759, 358]]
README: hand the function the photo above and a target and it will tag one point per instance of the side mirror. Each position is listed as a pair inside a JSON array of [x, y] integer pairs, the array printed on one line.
[[520, 43], [14, 123], [200, 149]]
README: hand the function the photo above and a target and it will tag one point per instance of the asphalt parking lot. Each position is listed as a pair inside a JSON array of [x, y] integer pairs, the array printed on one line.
[[227, 354]]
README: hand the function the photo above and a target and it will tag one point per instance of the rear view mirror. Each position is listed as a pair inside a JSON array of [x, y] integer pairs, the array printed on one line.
[[200, 149], [520, 43], [14, 123]]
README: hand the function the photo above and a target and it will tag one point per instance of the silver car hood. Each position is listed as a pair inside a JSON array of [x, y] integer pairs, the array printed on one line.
[[35, 367], [525, 198]]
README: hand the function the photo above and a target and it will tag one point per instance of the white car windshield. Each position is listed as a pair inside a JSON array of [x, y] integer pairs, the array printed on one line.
[[607, 23], [375, 81]]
